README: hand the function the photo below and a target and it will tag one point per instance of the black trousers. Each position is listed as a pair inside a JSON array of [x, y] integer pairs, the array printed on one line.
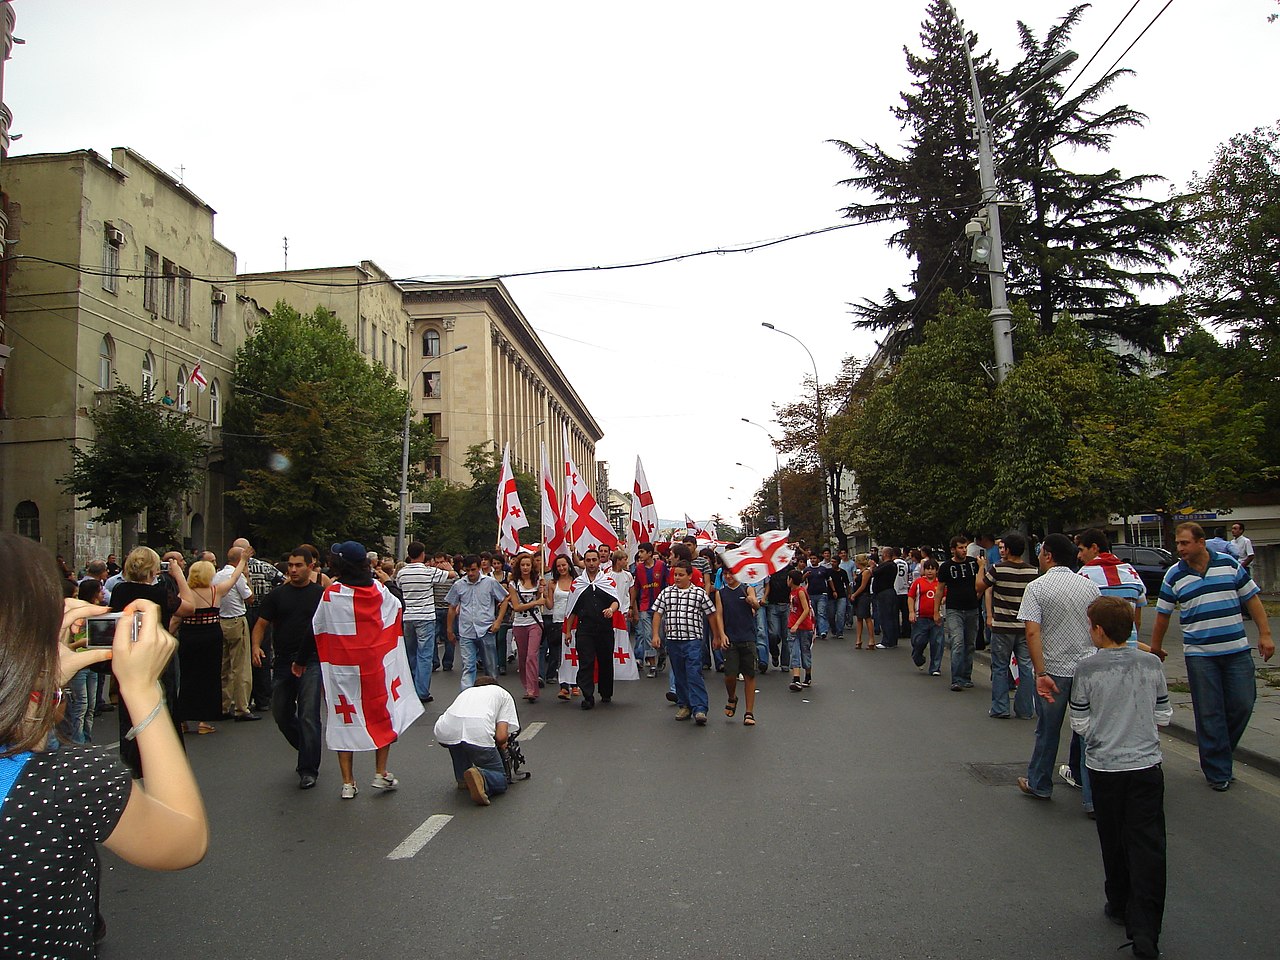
[[595, 648], [1129, 808]]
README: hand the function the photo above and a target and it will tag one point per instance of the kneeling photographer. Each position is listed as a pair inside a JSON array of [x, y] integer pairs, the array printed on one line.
[[475, 730]]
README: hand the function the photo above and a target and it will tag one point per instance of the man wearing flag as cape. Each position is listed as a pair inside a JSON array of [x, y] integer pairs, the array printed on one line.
[[365, 669], [593, 605]]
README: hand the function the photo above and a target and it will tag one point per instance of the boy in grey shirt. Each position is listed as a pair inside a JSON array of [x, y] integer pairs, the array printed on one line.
[[1118, 698]]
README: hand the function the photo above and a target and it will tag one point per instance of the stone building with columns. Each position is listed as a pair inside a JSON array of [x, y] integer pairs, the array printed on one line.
[[504, 387]]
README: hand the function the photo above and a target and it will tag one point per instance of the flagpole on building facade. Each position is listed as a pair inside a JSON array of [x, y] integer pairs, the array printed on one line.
[[404, 452]]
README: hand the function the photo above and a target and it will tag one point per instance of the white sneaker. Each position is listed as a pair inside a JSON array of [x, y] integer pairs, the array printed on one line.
[[881, 646], [385, 781], [349, 791], [1064, 772]]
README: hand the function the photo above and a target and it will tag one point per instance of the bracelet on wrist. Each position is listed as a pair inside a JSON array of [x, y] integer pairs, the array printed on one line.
[[137, 728]]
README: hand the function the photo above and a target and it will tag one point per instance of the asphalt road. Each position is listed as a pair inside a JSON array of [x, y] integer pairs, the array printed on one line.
[[848, 823]]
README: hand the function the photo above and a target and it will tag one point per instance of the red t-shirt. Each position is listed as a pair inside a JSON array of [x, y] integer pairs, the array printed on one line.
[[797, 619], [927, 593]]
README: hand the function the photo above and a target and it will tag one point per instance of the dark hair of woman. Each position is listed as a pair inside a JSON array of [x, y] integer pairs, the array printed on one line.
[[30, 620]]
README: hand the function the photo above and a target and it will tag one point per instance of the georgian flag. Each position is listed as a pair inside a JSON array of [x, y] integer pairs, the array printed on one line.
[[587, 523], [568, 674], [554, 533], [759, 557], [510, 513], [702, 531], [198, 378], [644, 515], [624, 659], [367, 683], [604, 581]]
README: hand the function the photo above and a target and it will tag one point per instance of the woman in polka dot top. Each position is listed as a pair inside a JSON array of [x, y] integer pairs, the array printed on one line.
[[57, 805]]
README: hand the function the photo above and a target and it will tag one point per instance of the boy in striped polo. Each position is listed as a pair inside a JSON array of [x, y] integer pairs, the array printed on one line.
[[1209, 589]]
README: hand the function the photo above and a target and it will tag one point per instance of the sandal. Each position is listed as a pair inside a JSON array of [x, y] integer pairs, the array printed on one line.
[[563, 694], [206, 728], [731, 707], [748, 719]]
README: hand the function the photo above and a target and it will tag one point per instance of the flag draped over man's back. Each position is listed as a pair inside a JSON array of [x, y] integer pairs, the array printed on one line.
[[588, 526], [644, 515], [759, 557], [367, 682], [510, 513]]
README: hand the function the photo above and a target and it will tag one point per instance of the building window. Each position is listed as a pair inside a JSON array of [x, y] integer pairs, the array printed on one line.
[[434, 467], [364, 335], [385, 341], [373, 341], [430, 343], [215, 317], [184, 298], [148, 375], [169, 291], [404, 363], [431, 385], [215, 404], [112, 240], [26, 520], [106, 352], [433, 421], [150, 280], [181, 399]]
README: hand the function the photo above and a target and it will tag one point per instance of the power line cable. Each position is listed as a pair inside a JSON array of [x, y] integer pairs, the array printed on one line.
[[1137, 38], [1089, 62]]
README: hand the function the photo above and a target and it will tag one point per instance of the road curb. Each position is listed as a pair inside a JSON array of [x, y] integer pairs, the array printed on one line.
[[1259, 761]]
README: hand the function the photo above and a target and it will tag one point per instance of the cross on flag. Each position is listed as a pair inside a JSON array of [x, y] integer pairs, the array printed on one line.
[[588, 525], [510, 514], [198, 378], [643, 527], [759, 557]]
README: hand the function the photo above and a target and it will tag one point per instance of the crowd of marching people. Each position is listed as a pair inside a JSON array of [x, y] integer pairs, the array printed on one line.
[[367, 635]]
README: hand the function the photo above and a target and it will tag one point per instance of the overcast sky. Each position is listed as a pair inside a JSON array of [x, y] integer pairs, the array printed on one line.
[[477, 139]]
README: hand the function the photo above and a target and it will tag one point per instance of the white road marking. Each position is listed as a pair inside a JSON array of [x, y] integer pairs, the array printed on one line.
[[531, 731], [420, 837]]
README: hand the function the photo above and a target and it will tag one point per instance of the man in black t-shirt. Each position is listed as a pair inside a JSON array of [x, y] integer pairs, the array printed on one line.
[[960, 574], [295, 673], [884, 595], [777, 603], [817, 581]]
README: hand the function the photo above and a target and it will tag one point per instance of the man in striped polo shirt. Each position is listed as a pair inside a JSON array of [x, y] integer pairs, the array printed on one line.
[[1209, 590], [1004, 583]]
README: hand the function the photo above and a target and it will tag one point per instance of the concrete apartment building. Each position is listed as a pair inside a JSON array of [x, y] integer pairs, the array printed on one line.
[[125, 280], [505, 387], [362, 296]]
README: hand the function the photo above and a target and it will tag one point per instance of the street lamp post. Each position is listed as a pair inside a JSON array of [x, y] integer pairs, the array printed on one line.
[[404, 452], [777, 469], [818, 428]]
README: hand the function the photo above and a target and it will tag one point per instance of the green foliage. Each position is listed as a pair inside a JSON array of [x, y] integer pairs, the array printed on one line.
[[313, 435], [143, 457], [802, 511], [463, 519]]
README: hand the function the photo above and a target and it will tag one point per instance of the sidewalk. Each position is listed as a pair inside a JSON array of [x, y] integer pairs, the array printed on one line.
[[1260, 745]]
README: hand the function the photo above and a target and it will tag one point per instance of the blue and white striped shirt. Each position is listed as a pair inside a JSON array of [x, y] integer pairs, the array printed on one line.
[[1209, 606]]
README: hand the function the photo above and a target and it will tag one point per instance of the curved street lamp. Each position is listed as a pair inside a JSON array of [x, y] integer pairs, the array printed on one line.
[[818, 428], [777, 467]]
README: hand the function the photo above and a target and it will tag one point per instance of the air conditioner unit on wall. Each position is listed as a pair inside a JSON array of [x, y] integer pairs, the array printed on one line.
[[219, 297], [115, 236]]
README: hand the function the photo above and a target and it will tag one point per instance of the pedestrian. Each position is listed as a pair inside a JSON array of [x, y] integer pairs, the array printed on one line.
[[475, 729], [800, 629], [1118, 700], [59, 803], [417, 583], [477, 605], [558, 642], [1209, 590], [860, 599], [363, 665], [959, 575], [1241, 546], [1003, 586], [838, 581], [685, 612], [200, 641], [288, 611], [589, 618], [925, 597], [527, 599], [736, 606], [650, 577], [442, 650], [817, 579], [263, 578], [1114, 577], [1055, 610], [237, 677], [884, 596], [777, 597]]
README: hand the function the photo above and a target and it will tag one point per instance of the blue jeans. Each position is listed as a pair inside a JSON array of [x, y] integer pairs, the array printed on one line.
[[762, 636], [886, 602], [1223, 690], [927, 632], [442, 617], [779, 645], [84, 691], [685, 657], [420, 646], [962, 634], [1004, 646], [295, 707], [802, 650], [486, 759], [839, 610], [642, 646], [471, 649], [1044, 755], [821, 606]]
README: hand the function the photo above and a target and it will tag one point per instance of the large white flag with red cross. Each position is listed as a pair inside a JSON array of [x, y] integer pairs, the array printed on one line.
[[759, 557], [510, 513], [624, 660], [568, 658], [555, 536], [367, 682], [588, 525], [643, 527], [702, 531]]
